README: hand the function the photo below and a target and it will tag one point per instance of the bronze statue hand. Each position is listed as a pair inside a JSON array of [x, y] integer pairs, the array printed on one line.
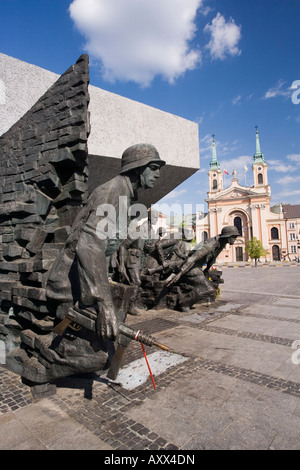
[[106, 323]]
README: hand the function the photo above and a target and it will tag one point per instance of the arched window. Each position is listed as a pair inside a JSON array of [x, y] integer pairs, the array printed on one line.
[[260, 178], [204, 236], [274, 233], [237, 222], [215, 184]]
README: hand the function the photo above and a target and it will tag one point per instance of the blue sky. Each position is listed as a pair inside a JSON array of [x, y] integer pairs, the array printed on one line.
[[228, 65]]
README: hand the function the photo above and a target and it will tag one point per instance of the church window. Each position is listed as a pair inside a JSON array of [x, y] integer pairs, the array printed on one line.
[[215, 184], [274, 233], [260, 178], [238, 224]]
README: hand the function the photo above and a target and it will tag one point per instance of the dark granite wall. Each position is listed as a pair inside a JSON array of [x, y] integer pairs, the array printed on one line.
[[43, 183]]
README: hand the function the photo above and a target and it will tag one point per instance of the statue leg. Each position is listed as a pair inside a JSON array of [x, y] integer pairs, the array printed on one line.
[[202, 289], [135, 279]]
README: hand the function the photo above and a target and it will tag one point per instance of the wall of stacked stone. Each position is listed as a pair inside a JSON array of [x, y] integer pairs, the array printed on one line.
[[43, 184]]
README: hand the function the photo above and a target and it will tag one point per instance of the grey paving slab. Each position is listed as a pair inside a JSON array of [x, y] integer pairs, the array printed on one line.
[[44, 425], [236, 386], [213, 412], [78, 439], [261, 356], [15, 435], [273, 310], [261, 325], [279, 281], [287, 302]]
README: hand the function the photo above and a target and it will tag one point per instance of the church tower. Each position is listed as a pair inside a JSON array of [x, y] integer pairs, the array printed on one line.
[[247, 208], [259, 167], [215, 173]]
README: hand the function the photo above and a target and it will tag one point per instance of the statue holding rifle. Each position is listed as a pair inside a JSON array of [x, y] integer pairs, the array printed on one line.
[[83, 260], [131, 258], [91, 310], [184, 281], [191, 272]]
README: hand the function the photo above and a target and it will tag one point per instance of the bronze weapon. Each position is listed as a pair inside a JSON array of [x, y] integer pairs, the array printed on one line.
[[194, 256], [87, 316], [168, 264]]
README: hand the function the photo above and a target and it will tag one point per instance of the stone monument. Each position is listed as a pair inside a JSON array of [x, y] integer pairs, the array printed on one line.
[[44, 185], [60, 314], [186, 278]]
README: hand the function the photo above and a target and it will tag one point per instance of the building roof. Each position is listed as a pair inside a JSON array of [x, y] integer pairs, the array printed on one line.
[[291, 211]]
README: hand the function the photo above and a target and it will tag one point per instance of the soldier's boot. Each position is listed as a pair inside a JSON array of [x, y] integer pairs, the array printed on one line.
[[132, 309]]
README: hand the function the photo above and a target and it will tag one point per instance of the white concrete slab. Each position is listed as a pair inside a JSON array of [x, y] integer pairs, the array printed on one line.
[[137, 373]]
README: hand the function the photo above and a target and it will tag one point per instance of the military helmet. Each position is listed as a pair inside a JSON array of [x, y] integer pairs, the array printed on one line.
[[139, 155], [229, 231]]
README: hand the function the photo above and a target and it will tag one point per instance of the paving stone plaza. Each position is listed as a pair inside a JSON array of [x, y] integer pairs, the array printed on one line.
[[231, 382]]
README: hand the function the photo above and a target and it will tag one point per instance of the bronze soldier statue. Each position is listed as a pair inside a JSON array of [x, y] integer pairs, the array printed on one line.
[[191, 272], [80, 271], [131, 258]]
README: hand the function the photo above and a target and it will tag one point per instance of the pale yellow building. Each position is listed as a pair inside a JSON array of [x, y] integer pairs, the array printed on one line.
[[248, 208]]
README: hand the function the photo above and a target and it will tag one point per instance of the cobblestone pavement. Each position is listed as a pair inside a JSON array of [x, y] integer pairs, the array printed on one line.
[[237, 385]]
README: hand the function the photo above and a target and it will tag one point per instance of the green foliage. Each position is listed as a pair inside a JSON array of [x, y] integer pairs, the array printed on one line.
[[255, 249]]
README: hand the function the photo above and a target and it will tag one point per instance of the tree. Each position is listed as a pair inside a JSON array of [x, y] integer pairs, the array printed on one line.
[[255, 249]]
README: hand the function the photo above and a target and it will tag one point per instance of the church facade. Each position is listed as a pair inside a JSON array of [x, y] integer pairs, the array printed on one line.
[[248, 208]]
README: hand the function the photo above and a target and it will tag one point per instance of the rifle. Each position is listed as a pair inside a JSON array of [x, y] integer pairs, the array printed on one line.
[[87, 316], [188, 264], [170, 264]]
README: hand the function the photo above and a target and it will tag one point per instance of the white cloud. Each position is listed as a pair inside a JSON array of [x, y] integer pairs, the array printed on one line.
[[199, 119], [236, 100], [287, 180], [282, 167], [225, 36], [278, 90], [279, 166], [222, 148], [205, 144], [288, 193], [137, 40], [174, 194], [205, 10], [294, 157], [237, 164]]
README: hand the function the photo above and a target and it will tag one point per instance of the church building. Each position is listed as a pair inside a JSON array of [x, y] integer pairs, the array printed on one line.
[[247, 208]]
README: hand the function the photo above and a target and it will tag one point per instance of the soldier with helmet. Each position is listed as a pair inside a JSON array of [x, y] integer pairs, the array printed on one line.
[[80, 271], [218, 243], [191, 271], [131, 257]]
